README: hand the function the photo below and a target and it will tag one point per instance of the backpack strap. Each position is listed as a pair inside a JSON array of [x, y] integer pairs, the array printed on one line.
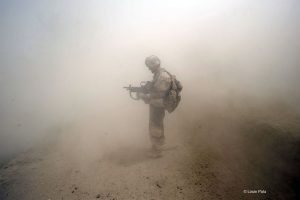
[[171, 76], [173, 84]]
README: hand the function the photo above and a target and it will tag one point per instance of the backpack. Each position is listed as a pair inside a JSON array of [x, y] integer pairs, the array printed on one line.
[[173, 97]]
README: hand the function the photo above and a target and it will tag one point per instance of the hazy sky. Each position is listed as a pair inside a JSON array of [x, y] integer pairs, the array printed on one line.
[[59, 58]]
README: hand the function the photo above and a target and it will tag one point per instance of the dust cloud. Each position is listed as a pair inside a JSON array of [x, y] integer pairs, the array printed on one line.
[[63, 66]]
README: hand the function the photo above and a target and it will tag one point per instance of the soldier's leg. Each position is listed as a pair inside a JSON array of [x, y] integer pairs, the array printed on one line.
[[156, 126]]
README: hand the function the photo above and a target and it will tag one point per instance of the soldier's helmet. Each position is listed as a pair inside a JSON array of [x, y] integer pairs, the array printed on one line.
[[152, 61]]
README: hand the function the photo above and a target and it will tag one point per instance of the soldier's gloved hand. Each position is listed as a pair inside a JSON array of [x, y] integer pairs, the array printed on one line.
[[144, 97]]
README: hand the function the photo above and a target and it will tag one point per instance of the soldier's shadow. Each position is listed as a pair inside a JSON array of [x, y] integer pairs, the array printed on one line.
[[126, 156]]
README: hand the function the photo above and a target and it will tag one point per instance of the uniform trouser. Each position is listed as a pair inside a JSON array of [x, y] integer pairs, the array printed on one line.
[[156, 125]]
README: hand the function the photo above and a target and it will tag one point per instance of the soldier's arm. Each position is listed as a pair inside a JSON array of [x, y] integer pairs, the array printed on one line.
[[162, 85], [145, 96]]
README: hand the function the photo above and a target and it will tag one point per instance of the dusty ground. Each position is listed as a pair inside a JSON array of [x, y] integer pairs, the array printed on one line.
[[126, 172], [214, 156]]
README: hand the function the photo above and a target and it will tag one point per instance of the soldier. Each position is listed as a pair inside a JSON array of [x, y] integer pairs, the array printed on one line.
[[159, 86]]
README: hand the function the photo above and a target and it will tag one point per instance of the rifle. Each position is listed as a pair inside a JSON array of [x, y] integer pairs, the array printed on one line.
[[144, 88]]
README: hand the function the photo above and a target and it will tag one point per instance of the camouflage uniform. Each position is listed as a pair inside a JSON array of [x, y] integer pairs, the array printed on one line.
[[160, 85]]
